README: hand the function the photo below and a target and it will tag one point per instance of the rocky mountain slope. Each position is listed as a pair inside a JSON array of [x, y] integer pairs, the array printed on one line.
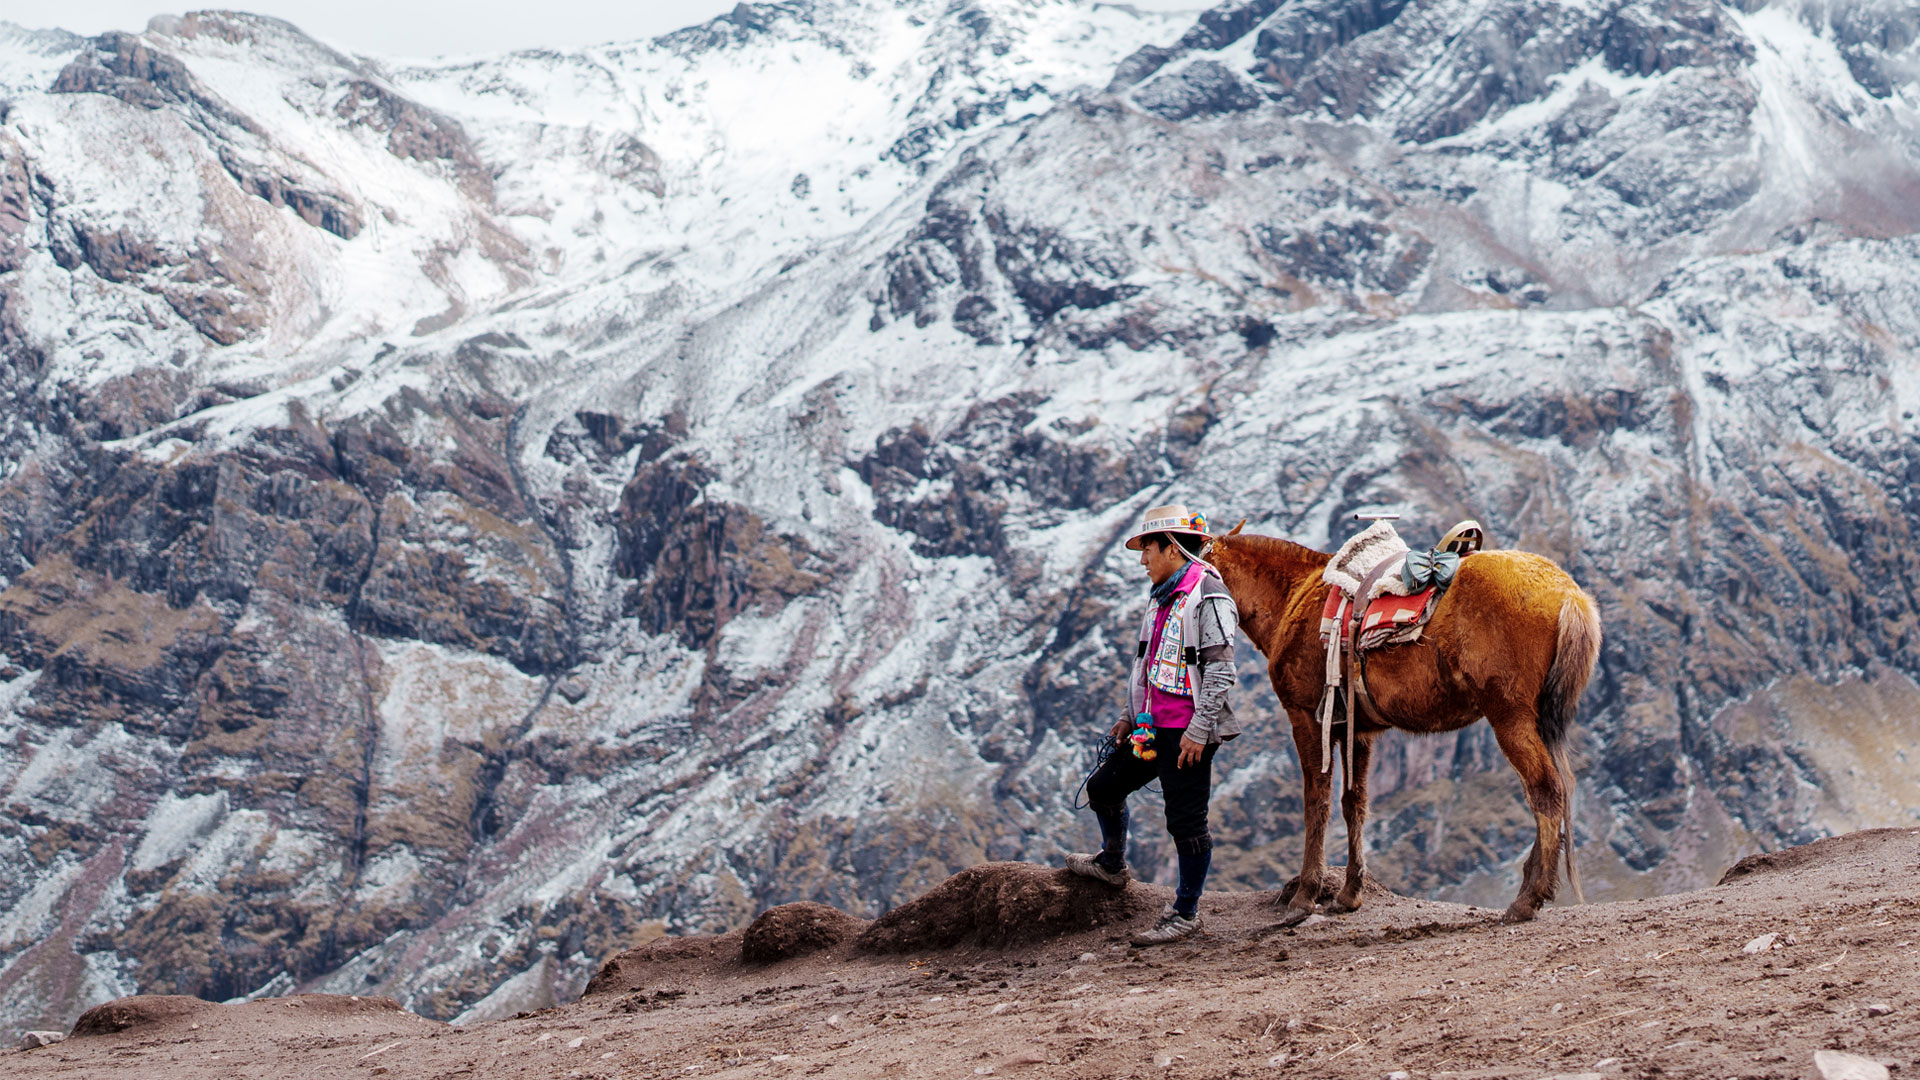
[[460, 518]]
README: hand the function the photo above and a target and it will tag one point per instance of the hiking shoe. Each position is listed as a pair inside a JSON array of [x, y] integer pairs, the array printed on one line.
[[1172, 927], [1089, 866]]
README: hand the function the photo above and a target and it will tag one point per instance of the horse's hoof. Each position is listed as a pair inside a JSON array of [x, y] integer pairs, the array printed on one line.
[[1519, 912], [1295, 916], [1341, 905]]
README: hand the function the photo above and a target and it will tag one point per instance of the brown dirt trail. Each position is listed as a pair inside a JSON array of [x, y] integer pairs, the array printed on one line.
[[1012, 970]]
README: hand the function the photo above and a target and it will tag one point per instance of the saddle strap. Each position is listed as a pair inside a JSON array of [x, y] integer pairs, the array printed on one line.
[[1331, 695], [1357, 697]]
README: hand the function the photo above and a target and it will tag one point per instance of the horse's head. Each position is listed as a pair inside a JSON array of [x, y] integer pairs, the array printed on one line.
[[1262, 573]]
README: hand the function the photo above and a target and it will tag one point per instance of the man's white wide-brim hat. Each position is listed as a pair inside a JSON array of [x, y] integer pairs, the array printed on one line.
[[1169, 519]]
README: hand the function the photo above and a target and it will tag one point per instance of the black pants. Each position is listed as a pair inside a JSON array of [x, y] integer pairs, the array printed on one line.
[[1187, 790]]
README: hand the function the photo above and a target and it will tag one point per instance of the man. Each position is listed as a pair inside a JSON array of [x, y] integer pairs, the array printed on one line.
[[1182, 669]]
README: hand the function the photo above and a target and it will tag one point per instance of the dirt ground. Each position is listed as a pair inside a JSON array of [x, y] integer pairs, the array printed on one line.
[[1012, 970]]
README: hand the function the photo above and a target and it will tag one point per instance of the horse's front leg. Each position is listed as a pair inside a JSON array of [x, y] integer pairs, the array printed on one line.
[[1316, 801], [1353, 805]]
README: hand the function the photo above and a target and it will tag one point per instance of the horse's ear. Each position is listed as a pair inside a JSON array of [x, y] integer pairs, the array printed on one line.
[[1235, 531]]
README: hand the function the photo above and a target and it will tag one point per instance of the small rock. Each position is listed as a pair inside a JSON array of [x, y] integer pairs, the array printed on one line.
[[835, 1020], [1000, 1008], [1399, 1074], [1759, 945], [1576, 1076], [1604, 1062], [1840, 1065], [35, 1039], [1277, 1060], [1879, 1008], [1087, 958], [576, 1043], [1313, 920]]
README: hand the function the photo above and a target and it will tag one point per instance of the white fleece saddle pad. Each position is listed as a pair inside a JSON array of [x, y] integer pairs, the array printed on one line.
[[1361, 554]]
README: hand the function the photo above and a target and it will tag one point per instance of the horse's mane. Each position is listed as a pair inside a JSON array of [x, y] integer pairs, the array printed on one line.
[[1271, 567]]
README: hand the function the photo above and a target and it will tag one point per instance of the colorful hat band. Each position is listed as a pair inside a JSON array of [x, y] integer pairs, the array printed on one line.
[[1195, 522]]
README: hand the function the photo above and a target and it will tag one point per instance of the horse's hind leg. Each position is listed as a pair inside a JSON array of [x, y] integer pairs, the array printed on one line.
[[1519, 736], [1353, 805], [1317, 802]]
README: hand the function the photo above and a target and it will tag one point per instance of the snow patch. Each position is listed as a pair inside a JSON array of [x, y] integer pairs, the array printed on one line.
[[175, 825]]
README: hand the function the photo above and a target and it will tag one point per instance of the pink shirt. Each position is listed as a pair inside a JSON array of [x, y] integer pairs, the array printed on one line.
[[1170, 711]]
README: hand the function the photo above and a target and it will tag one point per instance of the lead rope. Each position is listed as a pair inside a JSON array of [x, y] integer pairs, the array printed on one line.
[[1100, 751]]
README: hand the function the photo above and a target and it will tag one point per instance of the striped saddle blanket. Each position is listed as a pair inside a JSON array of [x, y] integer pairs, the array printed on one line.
[[1385, 620]]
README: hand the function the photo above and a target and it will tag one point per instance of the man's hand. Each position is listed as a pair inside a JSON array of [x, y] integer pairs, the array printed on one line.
[[1190, 752], [1121, 729]]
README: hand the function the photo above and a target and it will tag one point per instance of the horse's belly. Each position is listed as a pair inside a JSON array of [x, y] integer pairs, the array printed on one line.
[[1408, 692]]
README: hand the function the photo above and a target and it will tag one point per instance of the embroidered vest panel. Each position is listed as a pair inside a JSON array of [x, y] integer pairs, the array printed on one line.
[[1167, 670]]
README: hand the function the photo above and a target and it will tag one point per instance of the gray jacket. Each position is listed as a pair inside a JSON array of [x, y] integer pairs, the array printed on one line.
[[1212, 615]]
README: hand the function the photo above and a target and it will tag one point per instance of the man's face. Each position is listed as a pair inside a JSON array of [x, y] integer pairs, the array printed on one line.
[[1161, 560]]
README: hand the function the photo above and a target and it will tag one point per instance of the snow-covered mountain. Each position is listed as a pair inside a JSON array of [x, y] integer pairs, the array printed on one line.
[[459, 518]]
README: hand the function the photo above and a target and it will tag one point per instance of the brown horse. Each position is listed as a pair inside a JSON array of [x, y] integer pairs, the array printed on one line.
[[1513, 639]]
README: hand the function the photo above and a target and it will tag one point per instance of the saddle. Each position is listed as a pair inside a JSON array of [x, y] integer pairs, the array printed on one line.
[[1380, 593]]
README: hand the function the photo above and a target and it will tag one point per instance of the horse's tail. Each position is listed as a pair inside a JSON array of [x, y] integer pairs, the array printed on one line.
[[1575, 654]]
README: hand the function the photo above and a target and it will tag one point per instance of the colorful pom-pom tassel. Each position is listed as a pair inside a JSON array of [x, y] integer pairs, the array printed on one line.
[[1142, 737]]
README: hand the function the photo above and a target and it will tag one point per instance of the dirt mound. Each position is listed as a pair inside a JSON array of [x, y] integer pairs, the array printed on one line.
[[664, 960], [147, 1010], [1001, 904], [141, 1010], [1834, 850], [994, 905], [790, 930]]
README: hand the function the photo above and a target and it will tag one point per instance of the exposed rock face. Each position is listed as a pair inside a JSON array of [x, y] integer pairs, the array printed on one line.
[[591, 498]]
